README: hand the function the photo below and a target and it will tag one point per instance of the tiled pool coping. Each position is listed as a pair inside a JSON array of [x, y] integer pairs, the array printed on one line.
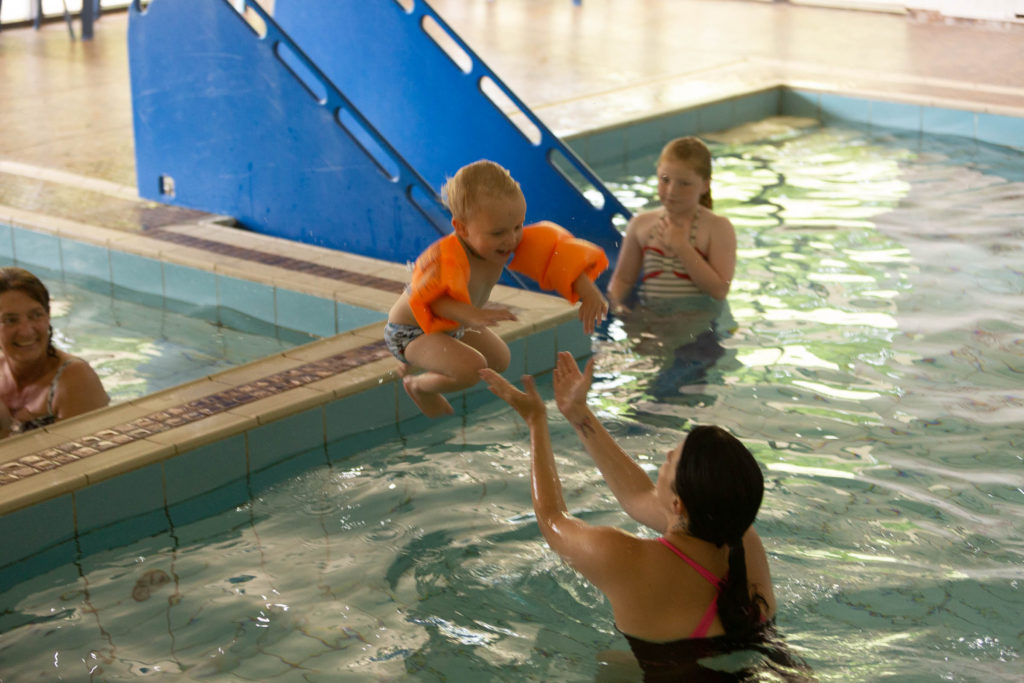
[[338, 395]]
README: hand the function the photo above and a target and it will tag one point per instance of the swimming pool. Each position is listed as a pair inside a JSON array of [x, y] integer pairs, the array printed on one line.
[[870, 356]]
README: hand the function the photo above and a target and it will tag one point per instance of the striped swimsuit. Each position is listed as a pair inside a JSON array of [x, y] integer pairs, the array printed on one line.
[[663, 274]]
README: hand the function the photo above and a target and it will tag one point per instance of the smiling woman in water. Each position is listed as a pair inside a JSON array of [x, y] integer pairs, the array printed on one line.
[[39, 383]]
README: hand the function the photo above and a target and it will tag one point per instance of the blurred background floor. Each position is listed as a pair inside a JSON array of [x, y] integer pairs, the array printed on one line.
[[65, 107]]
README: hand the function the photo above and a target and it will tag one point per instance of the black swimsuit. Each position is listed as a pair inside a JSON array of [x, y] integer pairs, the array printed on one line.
[[50, 417]]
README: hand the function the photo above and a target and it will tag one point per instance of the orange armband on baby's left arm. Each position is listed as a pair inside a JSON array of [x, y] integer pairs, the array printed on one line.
[[549, 254], [442, 270]]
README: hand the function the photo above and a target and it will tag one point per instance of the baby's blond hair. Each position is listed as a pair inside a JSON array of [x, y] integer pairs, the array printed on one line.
[[475, 182]]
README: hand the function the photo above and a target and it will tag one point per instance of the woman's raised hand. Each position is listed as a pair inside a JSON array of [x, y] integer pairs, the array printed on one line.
[[528, 404], [571, 385]]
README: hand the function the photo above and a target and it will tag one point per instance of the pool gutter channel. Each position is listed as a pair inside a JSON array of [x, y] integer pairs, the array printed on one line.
[[546, 323]]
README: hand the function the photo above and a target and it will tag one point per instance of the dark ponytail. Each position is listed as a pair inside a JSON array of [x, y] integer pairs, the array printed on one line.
[[739, 611], [721, 486]]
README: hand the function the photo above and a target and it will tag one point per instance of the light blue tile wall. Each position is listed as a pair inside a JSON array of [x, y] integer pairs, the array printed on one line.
[[251, 299], [352, 317], [540, 350], [1000, 130], [896, 115], [984, 127], [517, 360], [298, 311], [679, 124], [221, 463], [287, 468], [33, 529], [369, 409], [602, 147], [942, 121], [49, 567], [37, 249], [619, 150], [798, 103], [642, 138], [717, 116], [122, 532], [279, 440], [128, 494], [6, 242], [757, 106], [137, 278], [190, 291], [569, 336], [208, 504], [843, 109], [85, 259]]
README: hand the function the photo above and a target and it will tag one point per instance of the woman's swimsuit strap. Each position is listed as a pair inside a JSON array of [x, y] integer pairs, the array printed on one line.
[[50, 417], [712, 611]]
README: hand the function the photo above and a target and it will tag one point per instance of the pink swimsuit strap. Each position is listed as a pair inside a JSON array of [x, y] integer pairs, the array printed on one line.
[[709, 615]]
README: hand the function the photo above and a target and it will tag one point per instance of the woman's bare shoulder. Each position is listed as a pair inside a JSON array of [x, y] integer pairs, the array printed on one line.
[[79, 389]]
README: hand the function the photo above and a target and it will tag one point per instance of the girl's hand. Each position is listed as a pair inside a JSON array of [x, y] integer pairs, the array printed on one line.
[[572, 386], [675, 236], [528, 404]]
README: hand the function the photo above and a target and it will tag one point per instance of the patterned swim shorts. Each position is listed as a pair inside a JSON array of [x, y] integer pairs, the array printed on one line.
[[398, 337]]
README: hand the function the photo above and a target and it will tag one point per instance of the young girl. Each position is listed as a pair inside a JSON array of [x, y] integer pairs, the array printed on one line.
[[440, 324], [683, 248]]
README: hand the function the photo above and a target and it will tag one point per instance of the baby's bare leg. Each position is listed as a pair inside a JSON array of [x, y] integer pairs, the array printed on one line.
[[493, 347], [449, 366]]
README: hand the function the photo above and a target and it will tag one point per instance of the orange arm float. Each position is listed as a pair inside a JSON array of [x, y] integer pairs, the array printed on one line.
[[441, 270], [554, 258]]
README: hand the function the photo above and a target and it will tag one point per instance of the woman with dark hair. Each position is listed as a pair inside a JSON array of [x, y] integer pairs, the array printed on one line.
[[39, 383], [703, 588]]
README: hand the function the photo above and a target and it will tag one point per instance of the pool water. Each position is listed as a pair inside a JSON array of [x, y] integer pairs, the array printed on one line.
[[871, 356], [137, 349]]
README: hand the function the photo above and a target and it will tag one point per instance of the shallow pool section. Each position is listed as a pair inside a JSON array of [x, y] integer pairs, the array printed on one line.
[[870, 356], [129, 471], [138, 349]]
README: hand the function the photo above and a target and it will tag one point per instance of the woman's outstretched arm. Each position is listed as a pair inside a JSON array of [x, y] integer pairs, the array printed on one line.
[[598, 552], [631, 485], [548, 502]]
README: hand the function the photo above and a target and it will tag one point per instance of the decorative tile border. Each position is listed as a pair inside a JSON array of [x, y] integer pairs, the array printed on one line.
[[278, 261], [176, 416]]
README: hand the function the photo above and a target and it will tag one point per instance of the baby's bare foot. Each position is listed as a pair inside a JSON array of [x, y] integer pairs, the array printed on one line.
[[430, 403]]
